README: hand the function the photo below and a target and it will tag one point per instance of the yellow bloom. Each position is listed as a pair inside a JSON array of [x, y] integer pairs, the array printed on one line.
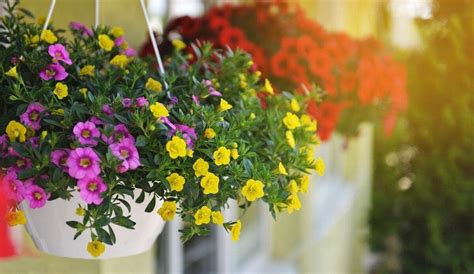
[[176, 147], [293, 203], [178, 44], [252, 116], [43, 135], [31, 40], [209, 133], [105, 42], [292, 187], [80, 211], [282, 169], [291, 121], [167, 210], [153, 85], [16, 130], [16, 218], [83, 91], [95, 248], [159, 110], [253, 190], [309, 153], [268, 87], [176, 181], [87, 70], [117, 32], [243, 80], [222, 156], [309, 123], [290, 139], [224, 105], [59, 112], [12, 72], [202, 216], [189, 152], [201, 167], [294, 105], [235, 154], [319, 166], [304, 184], [61, 91], [235, 231], [210, 183], [48, 36], [217, 218], [120, 61]]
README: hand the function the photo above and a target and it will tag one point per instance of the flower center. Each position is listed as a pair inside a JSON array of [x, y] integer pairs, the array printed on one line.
[[34, 116], [37, 196], [85, 162], [20, 162], [16, 133], [63, 161], [50, 73], [124, 153], [58, 54], [86, 133], [92, 186]]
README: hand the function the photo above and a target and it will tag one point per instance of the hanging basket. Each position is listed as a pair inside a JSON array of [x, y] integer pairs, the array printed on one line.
[[51, 235]]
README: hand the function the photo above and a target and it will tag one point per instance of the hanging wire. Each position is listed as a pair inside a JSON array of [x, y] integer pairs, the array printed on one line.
[[97, 11], [50, 13]]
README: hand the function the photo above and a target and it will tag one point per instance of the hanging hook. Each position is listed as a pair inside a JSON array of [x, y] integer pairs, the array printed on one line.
[[50, 13], [97, 10]]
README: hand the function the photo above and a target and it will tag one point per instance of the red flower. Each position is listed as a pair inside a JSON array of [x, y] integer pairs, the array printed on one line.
[[6, 246], [233, 37], [327, 115]]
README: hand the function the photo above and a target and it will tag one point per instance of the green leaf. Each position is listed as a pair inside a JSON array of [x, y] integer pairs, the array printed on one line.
[[112, 235], [103, 236], [141, 141], [123, 221], [141, 197], [151, 205], [74, 224], [102, 221]]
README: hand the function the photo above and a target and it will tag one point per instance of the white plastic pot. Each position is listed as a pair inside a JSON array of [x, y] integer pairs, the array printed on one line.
[[47, 227]]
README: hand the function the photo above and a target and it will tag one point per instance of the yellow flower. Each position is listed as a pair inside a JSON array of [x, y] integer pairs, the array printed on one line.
[[16, 218], [294, 105], [189, 152], [282, 169], [83, 91], [252, 116], [217, 218], [12, 72], [153, 85], [210, 183], [16, 130], [31, 40], [309, 123], [105, 42], [117, 32], [222, 156], [268, 87], [243, 80], [304, 184], [60, 91], [235, 231], [167, 210], [159, 110], [309, 153], [176, 181], [292, 187], [224, 105], [202, 216], [293, 203], [290, 139], [59, 112], [178, 44], [176, 147], [87, 70], [209, 133], [120, 61], [291, 121], [80, 211], [319, 166], [235, 154], [43, 135], [95, 248], [253, 190], [201, 167], [48, 36]]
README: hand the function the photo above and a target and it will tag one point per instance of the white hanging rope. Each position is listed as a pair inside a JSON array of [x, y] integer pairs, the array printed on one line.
[[97, 10], [153, 41], [50, 13]]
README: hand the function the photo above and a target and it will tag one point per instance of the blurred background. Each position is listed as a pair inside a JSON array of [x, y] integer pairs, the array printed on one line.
[[402, 204]]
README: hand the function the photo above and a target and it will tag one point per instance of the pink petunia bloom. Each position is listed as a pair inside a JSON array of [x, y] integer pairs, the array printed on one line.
[[59, 158], [20, 164], [87, 133], [81, 28], [142, 102], [13, 187], [55, 71], [120, 132], [119, 41], [127, 102], [3, 144], [34, 142], [196, 100], [130, 52], [83, 163], [96, 121], [211, 89], [32, 116], [91, 189], [188, 133], [128, 153], [59, 53], [107, 109], [36, 196]]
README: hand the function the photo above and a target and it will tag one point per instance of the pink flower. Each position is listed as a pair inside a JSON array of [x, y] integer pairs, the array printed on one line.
[[32, 116], [14, 188], [91, 189], [196, 100], [120, 132], [96, 120], [188, 133], [128, 153], [59, 53], [20, 164], [211, 89], [81, 28], [59, 158], [107, 109], [36, 196], [3, 144], [127, 102], [119, 41], [142, 101], [87, 133], [130, 52], [83, 163], [55, 71]]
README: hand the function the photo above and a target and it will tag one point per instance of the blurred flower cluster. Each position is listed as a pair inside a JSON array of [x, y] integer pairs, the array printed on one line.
[[362, 82], [84, 117]]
